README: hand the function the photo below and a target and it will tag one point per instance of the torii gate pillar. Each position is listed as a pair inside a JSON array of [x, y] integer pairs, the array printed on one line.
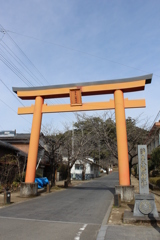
[[34, 141], [122, 145]]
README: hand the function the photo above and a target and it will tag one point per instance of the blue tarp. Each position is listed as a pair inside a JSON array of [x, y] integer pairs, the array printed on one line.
[[41, 182]]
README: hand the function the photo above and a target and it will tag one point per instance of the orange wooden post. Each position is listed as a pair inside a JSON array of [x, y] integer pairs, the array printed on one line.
[[34, 141], [123, 161]]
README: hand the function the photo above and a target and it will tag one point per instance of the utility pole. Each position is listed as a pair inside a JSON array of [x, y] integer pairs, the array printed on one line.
[[72, 139], [99, 150]]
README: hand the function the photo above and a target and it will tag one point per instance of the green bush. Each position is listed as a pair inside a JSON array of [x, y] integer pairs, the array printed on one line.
[[15, 184], [155, 181]]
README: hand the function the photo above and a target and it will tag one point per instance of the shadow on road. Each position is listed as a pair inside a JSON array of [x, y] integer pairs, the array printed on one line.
[[154, 223], [112, 190]]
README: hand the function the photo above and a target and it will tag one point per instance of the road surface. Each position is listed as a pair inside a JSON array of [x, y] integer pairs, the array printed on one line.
[[75, 213]]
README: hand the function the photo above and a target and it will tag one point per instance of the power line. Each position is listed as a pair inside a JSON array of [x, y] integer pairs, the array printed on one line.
[[11, 92], [10, 65], [21, 63], [80, 51], [14, 110], [15, 69]]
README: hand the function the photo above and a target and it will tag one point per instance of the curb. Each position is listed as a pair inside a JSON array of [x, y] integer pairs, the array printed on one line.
[[103, 229]]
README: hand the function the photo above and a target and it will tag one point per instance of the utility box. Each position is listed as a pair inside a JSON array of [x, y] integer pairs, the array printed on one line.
[[7, 197], [117, 200]]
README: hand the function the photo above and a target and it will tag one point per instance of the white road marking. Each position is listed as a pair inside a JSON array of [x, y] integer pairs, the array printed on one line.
[[80, 232]]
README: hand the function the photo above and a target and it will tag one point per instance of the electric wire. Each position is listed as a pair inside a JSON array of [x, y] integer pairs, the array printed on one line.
[[80, 51], [58, 101], [14, 68], [18, 60], [12, 92], [14, 110], [31, 63]]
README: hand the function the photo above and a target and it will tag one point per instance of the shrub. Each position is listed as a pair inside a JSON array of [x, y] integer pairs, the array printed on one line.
[[155, 181], [15, 184]]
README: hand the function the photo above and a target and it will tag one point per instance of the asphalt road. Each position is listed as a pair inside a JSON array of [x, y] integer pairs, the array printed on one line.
[[75, 213]]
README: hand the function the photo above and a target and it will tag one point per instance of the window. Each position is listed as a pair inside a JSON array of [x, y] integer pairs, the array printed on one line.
[[78, 166]]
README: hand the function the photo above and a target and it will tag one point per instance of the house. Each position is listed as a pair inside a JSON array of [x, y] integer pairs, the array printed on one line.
[[85, 169], [20, 141], [6, 148]]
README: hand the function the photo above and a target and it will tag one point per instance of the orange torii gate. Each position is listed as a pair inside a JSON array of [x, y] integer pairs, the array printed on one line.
[[75, 92]]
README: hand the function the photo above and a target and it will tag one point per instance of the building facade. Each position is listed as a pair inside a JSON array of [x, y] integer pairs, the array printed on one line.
[[85, 169]]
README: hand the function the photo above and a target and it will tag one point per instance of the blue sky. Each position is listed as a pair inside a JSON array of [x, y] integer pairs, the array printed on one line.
[[70, 41]]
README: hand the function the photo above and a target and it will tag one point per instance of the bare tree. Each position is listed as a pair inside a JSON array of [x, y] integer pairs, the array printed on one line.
[[77, 145], [52, 144], [10, 167]]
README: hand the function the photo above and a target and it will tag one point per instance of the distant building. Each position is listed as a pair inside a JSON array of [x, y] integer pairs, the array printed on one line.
[[85, 169]]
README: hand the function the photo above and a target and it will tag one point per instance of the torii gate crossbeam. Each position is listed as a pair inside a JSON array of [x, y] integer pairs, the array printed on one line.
[[75, 92]]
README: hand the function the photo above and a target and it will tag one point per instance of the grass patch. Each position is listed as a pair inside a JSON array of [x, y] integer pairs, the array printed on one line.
[[57, 187]]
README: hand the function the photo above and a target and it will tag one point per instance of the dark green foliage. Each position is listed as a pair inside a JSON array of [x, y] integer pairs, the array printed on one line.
[[155, 158]]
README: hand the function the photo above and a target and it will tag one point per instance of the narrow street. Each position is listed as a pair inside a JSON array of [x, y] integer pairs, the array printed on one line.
[[75, 213]]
